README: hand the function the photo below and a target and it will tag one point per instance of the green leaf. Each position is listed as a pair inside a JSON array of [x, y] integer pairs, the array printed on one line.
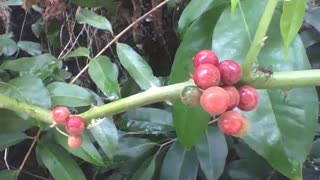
[[194, 119], [8, 174], [137, 67], [87, 151], [291, 20], [108, 4], [23, 89], [273, 124], [244, 169], [148, 120], [11, 122], [234, 4], [106, 134], [196, 38], [59, 163], [179, 164], [42, 65], [30, 47], [212, 152], [146, 169], [81, 51], [70, 95], [9, 139], [193, 11], [103, 74], [312, 17], [131, 147], [7, 46], [85, 16]]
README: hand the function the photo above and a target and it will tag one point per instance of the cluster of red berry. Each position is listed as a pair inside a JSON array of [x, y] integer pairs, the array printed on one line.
[[74, 125], [219, 95]]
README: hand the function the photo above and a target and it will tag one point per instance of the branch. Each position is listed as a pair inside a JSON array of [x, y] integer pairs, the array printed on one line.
[[260, 36]]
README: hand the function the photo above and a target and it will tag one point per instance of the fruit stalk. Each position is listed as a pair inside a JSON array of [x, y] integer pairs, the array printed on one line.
[[259, 37]]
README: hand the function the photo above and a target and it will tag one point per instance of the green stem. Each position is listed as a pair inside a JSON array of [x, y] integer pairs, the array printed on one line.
[[279, 80], [259, 37], [21, 107], [284, 79], [150, 96]]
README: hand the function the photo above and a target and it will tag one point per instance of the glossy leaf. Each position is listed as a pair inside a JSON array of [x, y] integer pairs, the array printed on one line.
[[106, 134], [9, 139], [274, 124], [131, 147], [212, 152], [12, 122], [196, 38], [103, 74], [179, 164], [30, 47], [243, 170], [148, 120], [81, 51], [291, 20], [8, 174], [137, 67], [85, 16], [23, 89], [146, 170], [7, 46], [194, 10], [70, 95], [59, 163], [87, 151], [42, 65]]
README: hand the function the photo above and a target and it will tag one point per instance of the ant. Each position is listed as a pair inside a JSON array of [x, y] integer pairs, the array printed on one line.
[[264, 70]]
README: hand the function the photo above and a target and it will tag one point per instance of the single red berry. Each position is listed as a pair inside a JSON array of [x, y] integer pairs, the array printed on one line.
[[215, 100], [206, 75], [60, 114], [205, 57], [249, 98], [75, 125], [190, 96], [234, 96], [75, 141], [233, 123], [230, 72]]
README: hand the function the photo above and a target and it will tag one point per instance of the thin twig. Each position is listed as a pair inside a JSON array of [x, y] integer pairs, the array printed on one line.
[[5, 158], [119, 35], [213, 121], [165, 144], [29, 151]]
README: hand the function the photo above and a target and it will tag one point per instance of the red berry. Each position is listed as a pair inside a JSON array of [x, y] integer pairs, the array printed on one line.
[[233, 123], [206, 75], [234, 96], [205, 57], [249, 98], [75, 141], [230, 72], [190, 96], [75, 125], [60, 114], [215, 100]]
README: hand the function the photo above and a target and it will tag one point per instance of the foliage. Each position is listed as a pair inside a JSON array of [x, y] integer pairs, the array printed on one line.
[[164, 139]]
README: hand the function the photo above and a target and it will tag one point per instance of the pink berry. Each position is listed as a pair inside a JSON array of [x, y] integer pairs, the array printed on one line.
[[230, 72], [249, 98], [234, 96], [205, 57], [214, 100], [206, 75], [60, 114], [75, 141], [75, 125], [233, 123]]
